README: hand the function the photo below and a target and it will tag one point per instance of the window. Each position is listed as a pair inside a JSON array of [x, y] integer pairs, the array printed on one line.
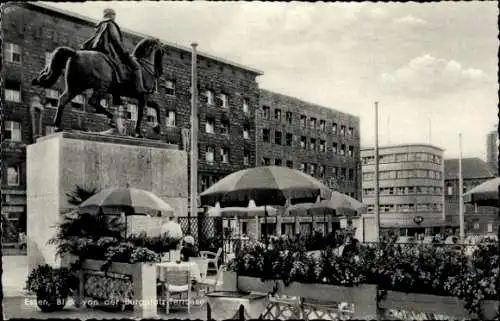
[[343, 173], [303, 167], [277, 138], [351, 151], [334, 128], [266, 135], [169, 87], [266, 112], [151, 115], [321, 171], [246, 103], [350, 131], [130, 111], [476, 225], [12, 91], [266, 161], [450, 190], [78, 103], [312, 169], [49, 130], [490, 227], [12, 131], [312, 123], [224, 129], [277, 162], [209, 155], [342, 150], [303, 140], [289, 117], [335, 171], [322, 146], [48, 55], [246, 157], [51, 97], [277, 114], [289, 139], [289, 164], [13, 175], [335, 149], [303, 120], [210, 126], [204, 183], [351, 174], [12, 52], [322, 125], [171, 118], [312, 145], [224, 100], [210, 97], [342, 130], [224, 153], [246, 132]]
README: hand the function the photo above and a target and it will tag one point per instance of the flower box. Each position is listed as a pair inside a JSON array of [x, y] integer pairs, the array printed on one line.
[[253, 284], [131, 283], [435, 304]]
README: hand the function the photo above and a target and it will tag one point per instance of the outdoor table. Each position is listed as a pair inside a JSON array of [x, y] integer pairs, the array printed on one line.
[[225, 304], [192, 267]]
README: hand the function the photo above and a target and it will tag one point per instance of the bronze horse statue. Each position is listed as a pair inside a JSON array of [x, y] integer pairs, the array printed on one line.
[[87, 69]]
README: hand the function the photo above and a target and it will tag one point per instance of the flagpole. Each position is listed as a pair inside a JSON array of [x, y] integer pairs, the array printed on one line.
[[377, 196], [460, 190], [194, 138]]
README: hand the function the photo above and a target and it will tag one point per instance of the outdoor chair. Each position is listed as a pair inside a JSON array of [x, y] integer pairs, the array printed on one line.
[[202, 264], [211, 284], [177, 283], [212, 258]]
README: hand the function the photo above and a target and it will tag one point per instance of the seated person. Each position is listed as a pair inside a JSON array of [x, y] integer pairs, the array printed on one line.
[[189, 249]]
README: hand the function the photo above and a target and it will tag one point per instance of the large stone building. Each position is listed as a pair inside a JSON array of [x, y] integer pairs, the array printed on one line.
[[492, 150], [411, 184], [228, 99], [320, 141], [477, 219]]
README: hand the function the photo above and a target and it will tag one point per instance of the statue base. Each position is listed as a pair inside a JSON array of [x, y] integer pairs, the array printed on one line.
[[58, 162]]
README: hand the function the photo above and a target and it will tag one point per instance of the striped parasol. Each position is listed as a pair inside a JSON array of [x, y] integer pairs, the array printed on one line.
[[266, 185], [129, 200], [485, 194]]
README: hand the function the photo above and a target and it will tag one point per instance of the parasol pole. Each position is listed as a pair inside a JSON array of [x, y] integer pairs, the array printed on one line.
[[194, 139], [460, 190], [265, 226]]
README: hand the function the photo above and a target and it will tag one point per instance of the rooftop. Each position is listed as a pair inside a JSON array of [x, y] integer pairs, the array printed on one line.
[[402, 145], [471, 168], [90, 21]]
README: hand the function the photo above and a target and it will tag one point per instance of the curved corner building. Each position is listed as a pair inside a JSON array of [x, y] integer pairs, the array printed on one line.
[[411, 185]]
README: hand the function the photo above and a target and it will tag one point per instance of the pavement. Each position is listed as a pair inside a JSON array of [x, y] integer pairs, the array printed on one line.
[[15, 273]]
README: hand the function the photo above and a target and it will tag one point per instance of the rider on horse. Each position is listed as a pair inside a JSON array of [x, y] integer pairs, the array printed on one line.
[[108, 40]]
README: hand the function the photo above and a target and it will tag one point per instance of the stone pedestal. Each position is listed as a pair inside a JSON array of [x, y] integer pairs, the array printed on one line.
[[59, 162]]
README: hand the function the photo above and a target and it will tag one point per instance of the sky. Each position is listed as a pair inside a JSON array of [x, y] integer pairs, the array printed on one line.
[[431, 66]]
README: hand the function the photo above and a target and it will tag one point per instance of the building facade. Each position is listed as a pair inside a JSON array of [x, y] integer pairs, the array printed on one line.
[[479, 220], [228, 100], [320, 141], [492, 150], [411, 180]]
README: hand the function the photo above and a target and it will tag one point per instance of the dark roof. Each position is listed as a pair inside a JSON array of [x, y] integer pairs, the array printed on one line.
[[471, 168]]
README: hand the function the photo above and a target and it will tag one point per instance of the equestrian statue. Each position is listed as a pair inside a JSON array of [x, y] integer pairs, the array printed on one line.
[[103, 65]]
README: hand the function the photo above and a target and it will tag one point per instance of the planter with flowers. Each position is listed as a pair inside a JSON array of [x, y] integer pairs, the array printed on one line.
[[379, 278], [52, 287]]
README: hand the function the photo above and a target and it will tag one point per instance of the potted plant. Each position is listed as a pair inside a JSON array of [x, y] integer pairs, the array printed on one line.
[[52, 286]]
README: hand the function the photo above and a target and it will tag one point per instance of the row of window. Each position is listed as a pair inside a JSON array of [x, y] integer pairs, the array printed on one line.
[[313, 143], [224, 127], [406, 173], [403, 157], [398, 208], [404, 190], [13, 55], [313, 122]]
